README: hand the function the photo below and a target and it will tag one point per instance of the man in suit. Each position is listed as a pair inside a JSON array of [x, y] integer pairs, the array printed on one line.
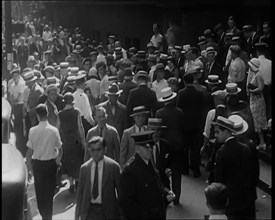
[[142, 193], [115, 110], [35, 92], [234, 168], [99, 181], [106, 131], [172, 118], [126, 86], [160, 151], [190, 102], [127, 149], [149, 98], [212, 66]]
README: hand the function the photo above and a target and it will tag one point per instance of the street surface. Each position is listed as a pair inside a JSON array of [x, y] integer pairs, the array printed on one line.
[[192, 202]]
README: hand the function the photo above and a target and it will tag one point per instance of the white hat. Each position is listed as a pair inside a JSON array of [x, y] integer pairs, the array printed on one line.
[[240, 125], [167, 94], [254, 64]]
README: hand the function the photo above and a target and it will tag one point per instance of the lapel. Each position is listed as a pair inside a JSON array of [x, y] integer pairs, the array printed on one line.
[[88, 181], [105, 173]]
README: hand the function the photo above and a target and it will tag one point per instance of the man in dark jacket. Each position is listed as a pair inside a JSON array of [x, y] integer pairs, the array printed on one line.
[[235, 168], [172, 118], [142, 193], [190, 102], [115, 110], [142, 96]]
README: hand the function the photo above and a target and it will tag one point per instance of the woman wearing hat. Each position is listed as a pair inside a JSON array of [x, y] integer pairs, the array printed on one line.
[[73, 139], [255, 87]]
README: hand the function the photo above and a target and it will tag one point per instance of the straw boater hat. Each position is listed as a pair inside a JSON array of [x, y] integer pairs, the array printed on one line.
[[142, 74], [74, 71], [225, 123], [254, 64], [240, 125], [155, 123], [64, 66], [232, 88], [167, 95], [152, 58], [49, 69], [52, 87], [213, 79], [80, 75], [139, 110], [144, 138], [29, 77], [211, 50], [15, 70], [114, 90]]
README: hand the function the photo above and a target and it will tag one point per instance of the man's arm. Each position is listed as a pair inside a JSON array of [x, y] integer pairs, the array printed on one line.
[[123, 149]]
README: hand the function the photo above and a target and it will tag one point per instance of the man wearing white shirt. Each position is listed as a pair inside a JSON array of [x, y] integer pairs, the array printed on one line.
[[157, 38], [81, 101], [104, 83], [16, 87], [160, 83], [265, 70], [98, 173]]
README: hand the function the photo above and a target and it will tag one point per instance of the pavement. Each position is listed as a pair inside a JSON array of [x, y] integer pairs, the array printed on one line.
[[192, 201]]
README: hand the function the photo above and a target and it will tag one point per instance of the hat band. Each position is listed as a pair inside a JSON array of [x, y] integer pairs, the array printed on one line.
[[238, 128], [253, 64], [213, 80], [224, 124], [231, 90], [155, 124], [166, 97]]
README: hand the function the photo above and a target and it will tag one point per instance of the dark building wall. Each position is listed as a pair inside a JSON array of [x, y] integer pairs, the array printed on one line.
[[133, 22]]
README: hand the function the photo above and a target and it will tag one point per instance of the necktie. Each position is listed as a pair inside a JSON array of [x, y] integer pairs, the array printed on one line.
[[113, 110], [100, 132], [157, 154], [95, 184]]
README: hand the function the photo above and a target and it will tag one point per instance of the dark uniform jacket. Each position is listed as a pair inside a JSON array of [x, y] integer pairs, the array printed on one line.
[[235, 168], [126, 87], [142, 194]]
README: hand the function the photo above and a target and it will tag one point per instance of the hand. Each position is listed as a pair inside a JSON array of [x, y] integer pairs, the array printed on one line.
[[170, 196], [168, 172], [58, 161], [203, 148]]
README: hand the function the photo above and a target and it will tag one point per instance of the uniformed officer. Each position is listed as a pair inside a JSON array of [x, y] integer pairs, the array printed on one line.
[[142, 193]]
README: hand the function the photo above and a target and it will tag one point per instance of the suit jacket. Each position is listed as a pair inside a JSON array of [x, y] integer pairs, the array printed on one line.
[[126, 87], [235, 168], [118, 120], [163, 161], [190, 102], [172, 118], [142, 193], [111, 137], [32, 102], [142, 95], [127, 148], [62, 83], [110, 185], [58, 102], [216, 69]]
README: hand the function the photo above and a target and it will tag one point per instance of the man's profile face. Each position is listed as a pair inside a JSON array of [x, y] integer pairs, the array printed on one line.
[[140, 119], [96, 151]]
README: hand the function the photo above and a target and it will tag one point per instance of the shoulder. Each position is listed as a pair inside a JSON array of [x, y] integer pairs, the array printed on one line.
[[111, 162], [103, 104], [130, 166], [86, 164], [111, 128]]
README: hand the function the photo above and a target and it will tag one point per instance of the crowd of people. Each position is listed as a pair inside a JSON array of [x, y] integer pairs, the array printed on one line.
[[123, 125]]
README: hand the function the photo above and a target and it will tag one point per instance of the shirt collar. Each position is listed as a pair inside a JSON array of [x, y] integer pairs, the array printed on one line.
[[218, 217], [231, 137]]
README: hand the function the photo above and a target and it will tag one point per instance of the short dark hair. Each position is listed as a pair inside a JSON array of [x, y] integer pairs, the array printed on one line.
[[95, 140], [41, 110], [216, 196], [100, 64], [194, 50], [188, 78]]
